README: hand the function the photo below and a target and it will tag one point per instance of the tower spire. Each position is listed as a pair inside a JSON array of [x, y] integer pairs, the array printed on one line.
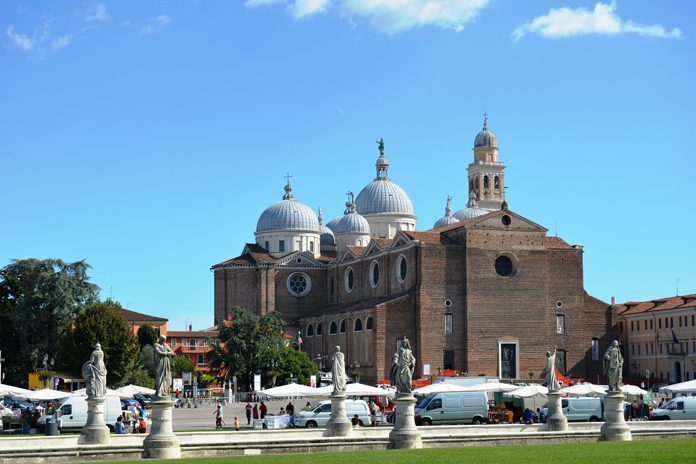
[[288, 188], [448, 208]]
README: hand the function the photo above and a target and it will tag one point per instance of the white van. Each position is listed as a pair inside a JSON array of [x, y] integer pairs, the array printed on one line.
[[319, 416], [452, 408], [676, 409], [584, 409], [71, 413]]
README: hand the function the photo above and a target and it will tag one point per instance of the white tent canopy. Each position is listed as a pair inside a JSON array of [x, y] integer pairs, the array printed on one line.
[[438, 387], [683, 387], [529, 391], [359, 389], [129, 390], [633, 390], [45, 394], [491, 387], [291, 389], [9, 390], [109, 392], [585, 389]]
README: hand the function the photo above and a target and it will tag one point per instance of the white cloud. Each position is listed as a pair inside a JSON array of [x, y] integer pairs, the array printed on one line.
[[19, 40], [301, 8], [389, 16], [62, 41], [163, 20], [566, 22], [156, 24], [97, 13], [393, 16]]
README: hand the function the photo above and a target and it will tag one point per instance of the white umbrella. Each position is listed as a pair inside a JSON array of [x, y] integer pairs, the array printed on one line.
[[9, 390], [291, 389], [46, 394], [491, 387], [584, 389], [129, 390], [109, 392], [529, 391], [683, 387], [359, 389], [633, 390], [438, 388]]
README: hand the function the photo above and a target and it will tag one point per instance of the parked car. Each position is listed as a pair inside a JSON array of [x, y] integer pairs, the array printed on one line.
[[676, 409], [583, 409], [126, 403], [452, 408], [319, 416], [71, 414], [144, 400]]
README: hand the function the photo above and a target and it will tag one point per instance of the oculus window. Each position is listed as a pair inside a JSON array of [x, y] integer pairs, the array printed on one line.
[[299, 284], [503, 266]]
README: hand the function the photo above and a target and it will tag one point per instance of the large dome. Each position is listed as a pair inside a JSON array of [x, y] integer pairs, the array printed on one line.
[[288, 214], [485, 138], [383, 197], [472, 209], [352, 222]]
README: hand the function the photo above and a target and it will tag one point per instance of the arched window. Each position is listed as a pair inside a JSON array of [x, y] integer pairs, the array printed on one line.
[[496, 182], [343, 326], [374, 274], [401, 268], [318, 329], [332, 328], [485, 182], [368, 324], [358, 325], [310, 330], [348, 280]]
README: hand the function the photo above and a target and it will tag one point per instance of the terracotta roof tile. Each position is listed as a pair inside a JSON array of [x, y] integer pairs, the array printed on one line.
[[557, 242], [353, 305], [357, 250], [383, 242], [192, 333], [662, 304], [133, 316]]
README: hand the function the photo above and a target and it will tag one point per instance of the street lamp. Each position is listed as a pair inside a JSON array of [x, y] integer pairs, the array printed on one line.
[[647, 377]]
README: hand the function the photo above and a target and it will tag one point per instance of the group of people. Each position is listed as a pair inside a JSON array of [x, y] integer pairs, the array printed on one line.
[[637, 410], [261, 411], [533, 417], [220, 419], [138, 416]]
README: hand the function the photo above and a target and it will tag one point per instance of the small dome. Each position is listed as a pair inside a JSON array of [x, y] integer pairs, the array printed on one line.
[[352, 222], [331, 225], [485, 138], [288, 214], [447, 219], [326, 235], [383, 197], [471, 211]]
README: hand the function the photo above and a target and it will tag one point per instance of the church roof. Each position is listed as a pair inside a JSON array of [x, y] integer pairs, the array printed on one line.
[[485, 138], [429, 237], [354, 305], [288, 214], [557, 242]]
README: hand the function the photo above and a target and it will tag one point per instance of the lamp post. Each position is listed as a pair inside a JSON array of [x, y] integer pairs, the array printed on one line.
[[647, 378]]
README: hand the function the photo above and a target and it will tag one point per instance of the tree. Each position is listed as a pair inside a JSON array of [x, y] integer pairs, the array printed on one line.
[[147, 360], [99, 323], [39, 300], [181, 364], [247, 344], [296, 364], [147, 335], [137, 376]]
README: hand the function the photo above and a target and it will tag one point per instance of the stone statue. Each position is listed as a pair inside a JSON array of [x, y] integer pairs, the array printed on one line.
[[551, 380], [380, 144], [163, 371], [613, 365], [338, 372], [94, 373], [403, 365]]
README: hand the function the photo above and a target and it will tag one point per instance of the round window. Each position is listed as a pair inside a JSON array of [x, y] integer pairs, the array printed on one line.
[[348, 279], [299, 284], [401, 269], [374, 274], [503, 266], [448, 302], [506, 220], [559, 304]]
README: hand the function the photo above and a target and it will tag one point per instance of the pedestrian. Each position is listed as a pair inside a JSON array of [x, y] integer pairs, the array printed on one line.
[[255, 411], [236, 424], [247, 409], [218, 417], [308, 407], [263, 409], [119, 428], [290, 410]]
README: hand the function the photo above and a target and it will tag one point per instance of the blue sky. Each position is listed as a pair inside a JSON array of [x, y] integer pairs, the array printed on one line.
[[148, 137]]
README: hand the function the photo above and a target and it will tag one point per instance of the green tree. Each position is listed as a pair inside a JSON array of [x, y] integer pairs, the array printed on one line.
[[147, 335], [147, 360], [247, 344], [99, 323], [137, 376], [181, 364], [39, 300], [297, 364]]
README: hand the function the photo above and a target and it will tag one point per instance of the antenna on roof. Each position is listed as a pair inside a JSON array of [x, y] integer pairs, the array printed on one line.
[[555, 228]]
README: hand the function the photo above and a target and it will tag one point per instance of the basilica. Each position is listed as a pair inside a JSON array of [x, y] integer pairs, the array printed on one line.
[[483, 291]]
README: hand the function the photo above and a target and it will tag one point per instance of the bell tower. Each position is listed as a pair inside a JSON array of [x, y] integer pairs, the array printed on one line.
[[486, 173]]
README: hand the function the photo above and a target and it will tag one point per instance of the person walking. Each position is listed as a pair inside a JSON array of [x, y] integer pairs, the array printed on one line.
[[263, 409], [247, 409], [218, 417], [290, 410], [255, 411]]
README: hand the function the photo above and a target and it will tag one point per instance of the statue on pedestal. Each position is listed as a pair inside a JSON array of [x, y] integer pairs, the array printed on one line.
[[403, 365], [94, 373], [550, 371], [338, 372], [613, 365], [163, 370]]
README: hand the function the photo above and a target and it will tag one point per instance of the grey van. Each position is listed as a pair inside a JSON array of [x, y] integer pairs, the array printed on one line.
[[676, 409], [452, 408], [319, 416]]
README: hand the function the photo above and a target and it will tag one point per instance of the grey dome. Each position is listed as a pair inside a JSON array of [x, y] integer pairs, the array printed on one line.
[[485, 138], [326, 236], [331, 225], [288, 214], [468, 213], [352, 222], [383, 197], [445, 221]]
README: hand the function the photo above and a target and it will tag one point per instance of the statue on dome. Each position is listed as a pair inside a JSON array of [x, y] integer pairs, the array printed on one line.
[[380, 144]]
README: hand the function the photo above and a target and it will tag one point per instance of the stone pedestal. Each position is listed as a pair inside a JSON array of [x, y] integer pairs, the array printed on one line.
[[555, 420], [615, 427], [338, 425], [161, 443], [95, 431], [405, 434]]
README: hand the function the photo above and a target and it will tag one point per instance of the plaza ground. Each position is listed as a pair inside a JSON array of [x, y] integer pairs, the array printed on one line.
[[673, 451], [203, 417]]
